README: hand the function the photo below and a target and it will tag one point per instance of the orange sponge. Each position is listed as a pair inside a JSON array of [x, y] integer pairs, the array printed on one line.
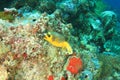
[[50, 77], [74, 65]]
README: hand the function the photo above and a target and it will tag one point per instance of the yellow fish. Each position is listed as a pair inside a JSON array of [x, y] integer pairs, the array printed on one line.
[[58, 40]]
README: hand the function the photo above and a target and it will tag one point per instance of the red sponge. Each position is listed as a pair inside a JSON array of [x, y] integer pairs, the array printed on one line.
[[74, 65]]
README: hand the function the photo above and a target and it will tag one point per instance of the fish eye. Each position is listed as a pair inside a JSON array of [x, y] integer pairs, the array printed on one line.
[[49, 35]]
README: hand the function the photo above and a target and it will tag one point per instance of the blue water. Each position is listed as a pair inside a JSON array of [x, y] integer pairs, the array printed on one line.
[[113, 3]]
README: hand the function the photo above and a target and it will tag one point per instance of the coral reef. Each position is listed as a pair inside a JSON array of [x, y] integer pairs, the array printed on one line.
[[108, 69], [27, 42], [59, 40], [113, 45], [47, 6], [33, 67], [20, 3]]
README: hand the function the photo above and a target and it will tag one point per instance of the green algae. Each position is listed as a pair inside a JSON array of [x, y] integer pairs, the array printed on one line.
[[7, 16]]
